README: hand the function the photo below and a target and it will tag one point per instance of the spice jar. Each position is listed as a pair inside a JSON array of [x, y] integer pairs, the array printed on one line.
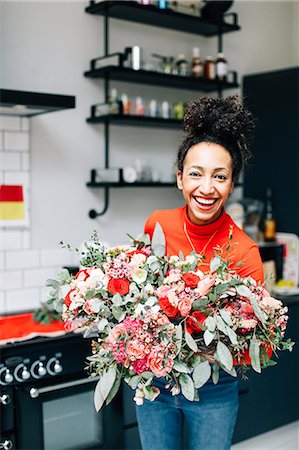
[[221, 67], [209, 68], [197, 69]]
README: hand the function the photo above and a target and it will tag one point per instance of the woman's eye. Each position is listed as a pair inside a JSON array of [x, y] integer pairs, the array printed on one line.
[[221, 177], [194, 174]]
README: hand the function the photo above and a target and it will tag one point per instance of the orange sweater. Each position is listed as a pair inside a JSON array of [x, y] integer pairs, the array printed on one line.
[[180, 233]]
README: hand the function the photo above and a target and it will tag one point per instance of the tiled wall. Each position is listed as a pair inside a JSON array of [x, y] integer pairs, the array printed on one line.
[[23, 270]]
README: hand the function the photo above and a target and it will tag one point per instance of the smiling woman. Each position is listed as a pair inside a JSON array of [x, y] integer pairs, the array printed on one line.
[[210, 158]]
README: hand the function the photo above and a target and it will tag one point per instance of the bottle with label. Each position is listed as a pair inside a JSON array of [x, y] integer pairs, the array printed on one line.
[[197, 69], [139, 106], [126, 104], [209, 68], [114, 103], [221, 67], [182, 65], [270, 223]]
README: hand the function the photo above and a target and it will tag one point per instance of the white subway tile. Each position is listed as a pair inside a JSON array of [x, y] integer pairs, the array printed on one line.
[[10, 160], [24, 259], [38, 277], [22, 300], [26, 240], [16, 141], [25, 124], [2, 302], [25, 161], [11, 280], [17, 178], [56, 257], [11, 239], [10, 123]]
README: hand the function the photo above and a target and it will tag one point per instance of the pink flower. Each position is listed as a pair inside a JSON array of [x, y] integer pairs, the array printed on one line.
[[205, 284], [140, 365], [162, 291], [246, 308], [136, 348], [184, 306], [158, 364]]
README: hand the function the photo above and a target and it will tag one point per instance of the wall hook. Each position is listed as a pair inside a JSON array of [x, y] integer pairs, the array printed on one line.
[[93, 214]]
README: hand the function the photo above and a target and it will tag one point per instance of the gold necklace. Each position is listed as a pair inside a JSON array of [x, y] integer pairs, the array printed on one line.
[[191, 243]]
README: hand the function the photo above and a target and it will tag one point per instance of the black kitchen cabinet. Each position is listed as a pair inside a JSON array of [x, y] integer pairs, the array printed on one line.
[[273, 98]]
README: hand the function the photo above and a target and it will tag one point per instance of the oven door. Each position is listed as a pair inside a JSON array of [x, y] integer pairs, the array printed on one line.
[[62, 417]]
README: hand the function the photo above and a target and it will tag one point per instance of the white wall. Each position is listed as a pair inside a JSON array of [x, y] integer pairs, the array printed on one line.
[[46, 47]]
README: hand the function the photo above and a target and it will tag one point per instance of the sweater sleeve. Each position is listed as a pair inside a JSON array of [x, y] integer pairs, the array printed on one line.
[[253, 265]]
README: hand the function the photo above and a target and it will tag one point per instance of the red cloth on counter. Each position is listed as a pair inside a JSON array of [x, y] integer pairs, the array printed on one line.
[[21, 327]]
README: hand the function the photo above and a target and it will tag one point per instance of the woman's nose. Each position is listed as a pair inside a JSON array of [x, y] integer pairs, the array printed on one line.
[[206, 186]]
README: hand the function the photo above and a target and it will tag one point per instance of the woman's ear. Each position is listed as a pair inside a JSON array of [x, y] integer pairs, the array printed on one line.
[[179, 182]]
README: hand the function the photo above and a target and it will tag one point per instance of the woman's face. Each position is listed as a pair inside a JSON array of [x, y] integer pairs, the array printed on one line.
[[206, 181]]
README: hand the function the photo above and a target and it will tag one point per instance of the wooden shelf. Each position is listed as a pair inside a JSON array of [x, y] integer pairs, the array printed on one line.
[[159, 79], [165, 18], [137, 121]]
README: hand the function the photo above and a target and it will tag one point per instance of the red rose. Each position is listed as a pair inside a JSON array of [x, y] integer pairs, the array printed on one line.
[[67, 298], [171, 311], [118, 286], [82, 275], [190, 279], [194, 321], [266, 350]]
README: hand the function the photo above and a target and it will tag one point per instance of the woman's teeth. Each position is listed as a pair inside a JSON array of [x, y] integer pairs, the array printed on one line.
[[205, 201]]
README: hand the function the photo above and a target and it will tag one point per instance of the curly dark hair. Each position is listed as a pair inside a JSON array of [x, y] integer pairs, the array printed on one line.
[[220, 121]]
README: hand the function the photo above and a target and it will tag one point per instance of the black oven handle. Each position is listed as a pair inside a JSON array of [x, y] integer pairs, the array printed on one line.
[[34, 392]]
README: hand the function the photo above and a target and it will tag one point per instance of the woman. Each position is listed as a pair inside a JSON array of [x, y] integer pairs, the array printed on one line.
[[210, 158]]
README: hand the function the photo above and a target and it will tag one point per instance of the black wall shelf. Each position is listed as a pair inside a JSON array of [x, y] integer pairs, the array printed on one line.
[[138, 184], [160, 79], [165, 18], [137, 121]]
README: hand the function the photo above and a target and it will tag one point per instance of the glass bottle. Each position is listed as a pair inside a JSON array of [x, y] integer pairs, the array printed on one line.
[[182, 65], [209, 68], [114, 102], [270, 223], [221, 67], [197, 69]]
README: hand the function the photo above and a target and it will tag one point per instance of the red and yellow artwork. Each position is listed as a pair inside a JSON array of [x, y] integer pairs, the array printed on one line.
[[12, 204]]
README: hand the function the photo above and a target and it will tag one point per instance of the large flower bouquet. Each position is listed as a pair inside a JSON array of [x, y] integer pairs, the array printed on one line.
[[154, 316]]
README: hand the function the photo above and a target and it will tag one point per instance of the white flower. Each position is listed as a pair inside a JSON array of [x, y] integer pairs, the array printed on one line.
[[95, 304], [101, 325], [173, 259], [151, 301], [148, 288], [139, 275], [190, 259]]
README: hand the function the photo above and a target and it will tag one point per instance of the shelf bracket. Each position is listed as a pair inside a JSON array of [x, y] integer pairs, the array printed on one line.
[[93, 214]]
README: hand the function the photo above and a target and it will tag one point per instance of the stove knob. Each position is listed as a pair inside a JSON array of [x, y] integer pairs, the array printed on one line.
[[25, 373], [5, 399], [41, 370], [6, 445], [8, 378], [34, 393], [57, 367]]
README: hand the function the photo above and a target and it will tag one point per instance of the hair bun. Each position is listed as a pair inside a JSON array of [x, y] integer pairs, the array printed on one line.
[[225, 118]]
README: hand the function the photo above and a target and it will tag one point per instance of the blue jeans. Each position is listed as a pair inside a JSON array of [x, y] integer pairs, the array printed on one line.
[[209, 423]]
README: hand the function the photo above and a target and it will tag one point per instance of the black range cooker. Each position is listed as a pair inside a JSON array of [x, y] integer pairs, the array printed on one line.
[[47, 399]]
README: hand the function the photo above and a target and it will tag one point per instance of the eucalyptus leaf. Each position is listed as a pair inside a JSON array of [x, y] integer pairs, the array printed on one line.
[[215, 263], [117, 299], [187, 386], [114, 389], [210, 323], [103, 387], [226, 317], [231, 372], [179, 337], [191, 342], [224, 355], [244, 291], [118, 313], [133, 381], [181, 367], [52, 283], [221, 325], [158, 241], [201, 374], [147, 375], [232, 336], [257, 311], [254, 353], [208, 337], [215, 374], [200, 304]]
